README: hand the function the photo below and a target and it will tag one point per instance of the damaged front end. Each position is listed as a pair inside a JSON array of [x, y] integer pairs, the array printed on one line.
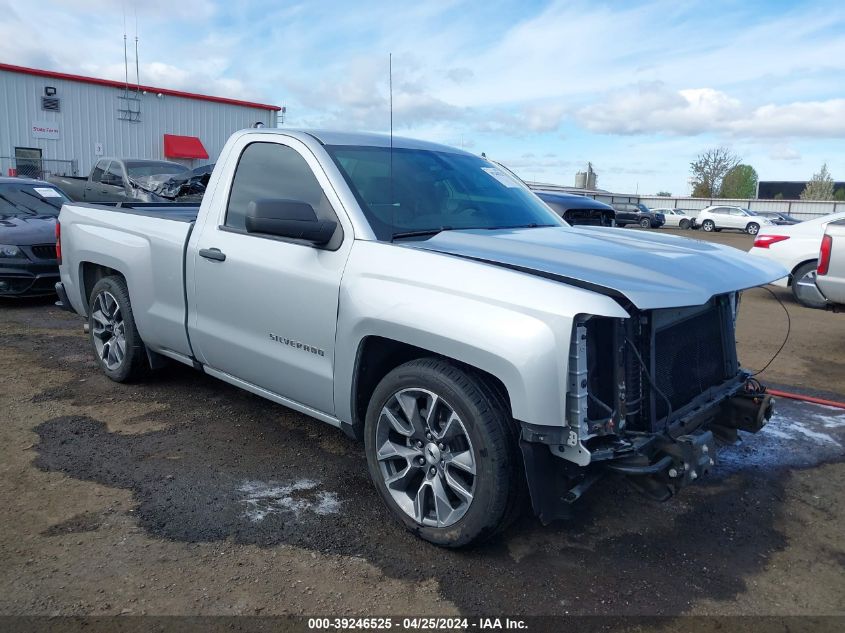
[[649, 397]]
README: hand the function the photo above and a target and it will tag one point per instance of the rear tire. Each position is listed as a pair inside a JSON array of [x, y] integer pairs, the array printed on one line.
[[117, 346], [807, 297], [645, 223], [753, 228], [708, 226], [432, 410]]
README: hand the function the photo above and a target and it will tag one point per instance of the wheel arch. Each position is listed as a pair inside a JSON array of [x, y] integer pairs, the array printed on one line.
[[89, 274], [795, 269], [377, 356]]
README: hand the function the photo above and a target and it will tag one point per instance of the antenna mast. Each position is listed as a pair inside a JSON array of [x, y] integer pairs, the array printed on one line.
[[125, 55], [137, 63], [390, 87]]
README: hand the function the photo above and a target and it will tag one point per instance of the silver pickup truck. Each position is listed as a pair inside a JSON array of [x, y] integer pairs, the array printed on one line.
[[830, 274], [427, 303]]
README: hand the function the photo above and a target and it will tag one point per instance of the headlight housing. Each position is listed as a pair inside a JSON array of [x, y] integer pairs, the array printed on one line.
[[10, 251]]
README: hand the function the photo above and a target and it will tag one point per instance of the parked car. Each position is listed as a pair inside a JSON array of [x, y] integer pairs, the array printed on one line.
[[719, 217], [676, 217], [443, 314], [28, 211], [797, 248], [639, 214], [575, 209], [781, 219], [578, 210], [118, 180], [830, 274]]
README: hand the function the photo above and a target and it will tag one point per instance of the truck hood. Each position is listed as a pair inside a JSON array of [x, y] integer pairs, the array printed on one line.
[[26, 230], [649, 269]]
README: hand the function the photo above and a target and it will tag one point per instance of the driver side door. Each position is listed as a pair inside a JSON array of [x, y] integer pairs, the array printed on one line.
[[110, 185], [264, 308]]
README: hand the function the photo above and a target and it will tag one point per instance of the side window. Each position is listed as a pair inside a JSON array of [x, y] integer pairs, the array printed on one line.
[[113, 175], [270, 170], [97, 172]]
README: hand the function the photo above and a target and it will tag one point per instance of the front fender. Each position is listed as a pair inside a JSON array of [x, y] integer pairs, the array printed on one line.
[[512, 325]]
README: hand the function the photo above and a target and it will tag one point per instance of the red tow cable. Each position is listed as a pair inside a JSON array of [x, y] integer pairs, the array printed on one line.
[[796, 396]]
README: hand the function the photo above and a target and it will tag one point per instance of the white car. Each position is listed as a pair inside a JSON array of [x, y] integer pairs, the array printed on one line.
[[676, 217], [797, 248], [718, 217]]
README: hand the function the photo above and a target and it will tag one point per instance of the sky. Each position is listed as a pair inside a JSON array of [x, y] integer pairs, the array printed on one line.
[[637, 88]]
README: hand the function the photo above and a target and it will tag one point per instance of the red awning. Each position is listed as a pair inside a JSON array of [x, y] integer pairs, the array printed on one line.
[[183, 147]]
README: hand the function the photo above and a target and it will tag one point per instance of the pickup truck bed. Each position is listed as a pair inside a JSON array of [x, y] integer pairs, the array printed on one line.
[[147, 239], [180, 212]]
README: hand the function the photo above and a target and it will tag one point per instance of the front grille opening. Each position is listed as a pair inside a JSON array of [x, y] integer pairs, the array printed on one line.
[[600, 379], [44, 251], [689, 358]]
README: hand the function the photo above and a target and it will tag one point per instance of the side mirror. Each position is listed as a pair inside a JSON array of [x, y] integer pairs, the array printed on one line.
[[288, 218]]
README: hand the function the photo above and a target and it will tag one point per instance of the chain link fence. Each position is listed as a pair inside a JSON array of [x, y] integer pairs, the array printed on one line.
[[38, 168]]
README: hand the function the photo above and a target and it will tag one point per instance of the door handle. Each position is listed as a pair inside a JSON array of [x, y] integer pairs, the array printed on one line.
[[213, 253]]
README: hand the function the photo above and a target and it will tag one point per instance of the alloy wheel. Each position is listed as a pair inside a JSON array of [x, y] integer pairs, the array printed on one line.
[[425, 457], [109, 330]]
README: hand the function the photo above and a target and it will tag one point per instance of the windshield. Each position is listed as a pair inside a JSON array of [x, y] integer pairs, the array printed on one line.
[[139, 168], [433, 190], [23, 199]]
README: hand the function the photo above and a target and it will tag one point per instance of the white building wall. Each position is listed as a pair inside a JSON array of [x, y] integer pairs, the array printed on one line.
[[89, 115]]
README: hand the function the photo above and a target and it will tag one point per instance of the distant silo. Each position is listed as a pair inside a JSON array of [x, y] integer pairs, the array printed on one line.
[[586, 179]]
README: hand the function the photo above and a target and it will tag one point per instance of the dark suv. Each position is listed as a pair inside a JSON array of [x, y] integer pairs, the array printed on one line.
[[578, 210], [637, 213]]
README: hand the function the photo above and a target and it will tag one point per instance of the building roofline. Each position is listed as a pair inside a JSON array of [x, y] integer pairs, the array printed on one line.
[[120, 84]]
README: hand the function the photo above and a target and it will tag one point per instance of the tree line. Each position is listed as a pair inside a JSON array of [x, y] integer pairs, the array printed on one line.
[[719, 173]]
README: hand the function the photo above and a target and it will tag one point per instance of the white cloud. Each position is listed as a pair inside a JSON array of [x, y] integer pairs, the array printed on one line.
[[784, 152], [649, 108], [544, 117], [652, 108], [823, 119]]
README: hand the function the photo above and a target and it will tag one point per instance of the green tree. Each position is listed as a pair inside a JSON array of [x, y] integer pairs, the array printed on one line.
[[664, 194], [839, 194], [820, 186], [778, 196], [708, 170], [739, 182], [700, 190]]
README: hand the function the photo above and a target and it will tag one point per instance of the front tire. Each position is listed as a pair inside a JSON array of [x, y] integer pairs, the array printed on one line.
[[442, 453], [117, 346], [806, 295], [708, 226], [645, 223], [753, 228], [684, 224]]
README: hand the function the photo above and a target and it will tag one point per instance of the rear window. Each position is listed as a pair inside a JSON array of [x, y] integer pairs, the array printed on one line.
[[24, 199], [153, 168]]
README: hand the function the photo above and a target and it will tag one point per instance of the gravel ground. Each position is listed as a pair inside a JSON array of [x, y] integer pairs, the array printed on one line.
[[183, 496]]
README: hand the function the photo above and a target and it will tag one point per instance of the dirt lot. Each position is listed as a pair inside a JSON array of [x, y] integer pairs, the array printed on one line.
[[183, 495]]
